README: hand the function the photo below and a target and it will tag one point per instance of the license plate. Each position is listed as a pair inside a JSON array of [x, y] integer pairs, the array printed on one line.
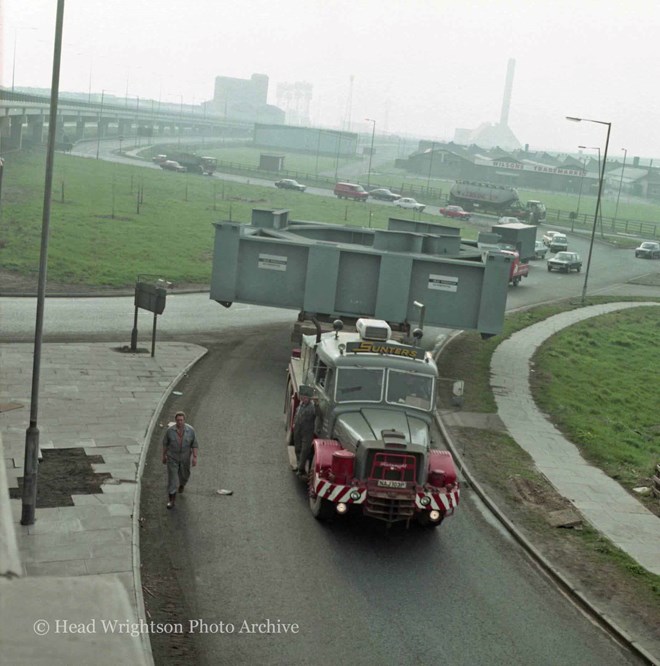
[[391, 484]]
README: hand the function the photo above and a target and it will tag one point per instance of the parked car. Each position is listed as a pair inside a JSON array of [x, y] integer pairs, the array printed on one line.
[[540, 250], [158, 159], [172, 165], [455, 211], [558, 243], [648, 250], [410, 203], [383, 194], [351, 191], [289, 184], [548, 236], [566, 262], [508, 220]]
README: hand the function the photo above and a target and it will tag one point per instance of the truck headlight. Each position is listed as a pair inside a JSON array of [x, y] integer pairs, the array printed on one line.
[[341, 508], [355, 495], [425, 501], [434, 516]]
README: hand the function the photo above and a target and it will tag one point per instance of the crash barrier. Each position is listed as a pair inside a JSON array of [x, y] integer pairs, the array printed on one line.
[[656, 481]]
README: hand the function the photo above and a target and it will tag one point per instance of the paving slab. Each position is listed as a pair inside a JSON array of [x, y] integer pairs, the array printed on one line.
[[80, 559]]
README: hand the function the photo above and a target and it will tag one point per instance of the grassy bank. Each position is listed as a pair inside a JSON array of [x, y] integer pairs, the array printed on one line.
[[111, 222], [598, 382]]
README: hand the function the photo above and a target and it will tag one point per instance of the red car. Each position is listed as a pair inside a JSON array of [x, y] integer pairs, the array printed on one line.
[[455, 211]]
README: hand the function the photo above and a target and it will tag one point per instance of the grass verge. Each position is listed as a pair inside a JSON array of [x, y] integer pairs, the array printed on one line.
[[508, 473]]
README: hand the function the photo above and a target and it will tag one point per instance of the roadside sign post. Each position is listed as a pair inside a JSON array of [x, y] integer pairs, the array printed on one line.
[[148, 296]]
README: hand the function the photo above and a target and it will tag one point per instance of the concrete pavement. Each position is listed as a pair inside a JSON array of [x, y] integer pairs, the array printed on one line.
[[70, 591]]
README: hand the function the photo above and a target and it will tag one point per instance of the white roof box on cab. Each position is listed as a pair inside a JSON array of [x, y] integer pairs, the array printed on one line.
[[373, 329]]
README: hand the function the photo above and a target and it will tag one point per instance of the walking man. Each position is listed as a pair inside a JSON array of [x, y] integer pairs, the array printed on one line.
[[179, 451], [304, 425]]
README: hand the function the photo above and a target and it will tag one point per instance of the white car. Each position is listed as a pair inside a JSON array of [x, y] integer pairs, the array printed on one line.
[[540, 249], [549, 235], [408, 202], [508, 220]]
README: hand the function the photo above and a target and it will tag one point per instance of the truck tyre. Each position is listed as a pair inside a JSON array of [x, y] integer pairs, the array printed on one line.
[[549, 269], [288, 408], [321, 509]]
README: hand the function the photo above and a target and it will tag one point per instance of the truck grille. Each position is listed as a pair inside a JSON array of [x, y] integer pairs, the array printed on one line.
[[391, 486]]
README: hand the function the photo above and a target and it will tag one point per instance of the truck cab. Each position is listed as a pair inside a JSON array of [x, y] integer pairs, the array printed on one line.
[[537, 211], [373, 452]]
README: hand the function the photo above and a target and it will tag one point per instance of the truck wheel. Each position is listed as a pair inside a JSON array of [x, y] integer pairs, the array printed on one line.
[[549, 269], [321, 509], [288, 408], [578, 269]]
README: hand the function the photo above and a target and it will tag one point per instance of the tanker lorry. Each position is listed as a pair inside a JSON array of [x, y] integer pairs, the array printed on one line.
[[495, 199]]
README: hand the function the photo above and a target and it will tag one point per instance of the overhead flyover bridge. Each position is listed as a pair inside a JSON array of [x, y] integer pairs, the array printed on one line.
[[24, 117], [328, 271]]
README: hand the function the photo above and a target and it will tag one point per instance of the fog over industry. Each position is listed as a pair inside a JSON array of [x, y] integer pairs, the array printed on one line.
[[419, 68]]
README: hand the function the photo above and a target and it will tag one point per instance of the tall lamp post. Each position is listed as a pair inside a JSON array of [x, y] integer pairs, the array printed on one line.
[[623, 168], [371, 150], [584, 169], [428, 180], [598, 149], [98, 134], [600, 190], [31, 461]]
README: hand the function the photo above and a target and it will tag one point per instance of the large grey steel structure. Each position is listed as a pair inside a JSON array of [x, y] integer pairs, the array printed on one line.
[[330, 271]]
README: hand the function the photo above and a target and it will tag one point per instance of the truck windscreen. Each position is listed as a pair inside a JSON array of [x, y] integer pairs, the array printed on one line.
[[360, 385], [411, 389]]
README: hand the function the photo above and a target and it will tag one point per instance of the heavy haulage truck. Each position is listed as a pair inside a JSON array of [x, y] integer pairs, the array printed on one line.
[[496, 200], [373, 451]]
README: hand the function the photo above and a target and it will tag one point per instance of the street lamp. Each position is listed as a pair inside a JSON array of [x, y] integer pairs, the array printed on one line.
[[584, 169], [371, 151], [98, 133], [602, 235], [623, 168], [428, 180], [600, 190]]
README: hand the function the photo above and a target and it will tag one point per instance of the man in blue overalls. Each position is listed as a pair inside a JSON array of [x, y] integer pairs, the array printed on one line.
[[179, 451]]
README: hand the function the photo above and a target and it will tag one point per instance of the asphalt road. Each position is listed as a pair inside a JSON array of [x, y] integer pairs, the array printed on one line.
[[461, 594]]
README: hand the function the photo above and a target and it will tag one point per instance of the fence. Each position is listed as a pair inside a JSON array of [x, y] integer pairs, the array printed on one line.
[[609, 225]]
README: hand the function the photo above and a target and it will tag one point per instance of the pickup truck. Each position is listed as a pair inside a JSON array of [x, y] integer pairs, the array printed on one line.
[[565, 261]]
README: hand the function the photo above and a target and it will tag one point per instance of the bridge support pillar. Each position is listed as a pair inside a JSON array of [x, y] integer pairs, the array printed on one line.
[[4, 131], [80, 129], [36, 129], [15, 132], [102, 128]]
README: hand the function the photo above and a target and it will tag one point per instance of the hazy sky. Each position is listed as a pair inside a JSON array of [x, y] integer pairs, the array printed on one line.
[[420, 67]]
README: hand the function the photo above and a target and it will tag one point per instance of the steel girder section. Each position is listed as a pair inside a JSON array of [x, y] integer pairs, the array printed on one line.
[[281, 268]]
